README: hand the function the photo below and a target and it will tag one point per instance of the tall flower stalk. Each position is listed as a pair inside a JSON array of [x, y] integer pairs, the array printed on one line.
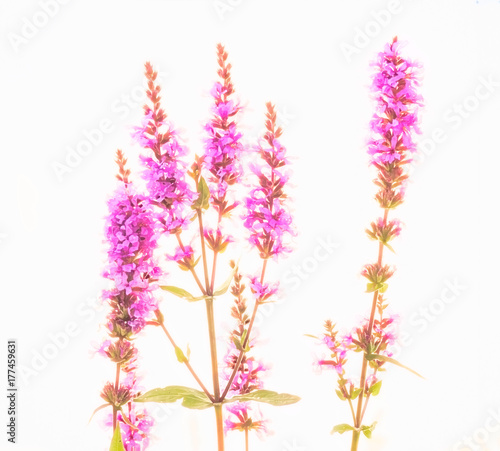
[[131, 238], [196, 200], [395, 90], [242, 416], [269, 223]]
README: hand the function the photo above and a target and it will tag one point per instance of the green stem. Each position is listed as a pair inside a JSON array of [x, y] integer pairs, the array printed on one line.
[[246, 440], [247, 338], [188, 365], [220, 427], [355, 440], [360, 410], [193, 271], [216, 253], [117, 381], [213, 347], [203, 250]]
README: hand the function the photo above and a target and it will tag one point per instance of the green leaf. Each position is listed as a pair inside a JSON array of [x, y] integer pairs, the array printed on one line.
[[375, 388], [168, 394], [198, 401], [393, 361], [367, 430], [181, 293], [311, 336], [340, 395], [341, 428], [267, 396], [355, 393], [116, 441], [191, 398], [237, 343], [383, 287], [224, 287], [244, 335], [180, 355], [204, 195], [389, 247]]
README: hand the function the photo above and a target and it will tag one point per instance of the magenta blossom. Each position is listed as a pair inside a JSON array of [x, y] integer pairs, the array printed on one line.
[[395, 90], [243, 417], [263, 291], [337, 356], [131, 237], [135, 437], [248, 377], [222, 146], [266, 215], [186, 252], [164, 169]]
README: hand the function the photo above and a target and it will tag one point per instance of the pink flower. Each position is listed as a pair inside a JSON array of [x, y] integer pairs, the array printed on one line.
[[131, 237], [135, 437], [263, 291], [222, 146], [164, 170], [182, 254], [394, 87], [266, 214], [242, 417]]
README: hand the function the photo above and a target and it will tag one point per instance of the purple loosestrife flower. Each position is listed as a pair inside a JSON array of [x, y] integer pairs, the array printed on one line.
[[263, 291], [222, 146], [337, 347], [241, 415], [266, 215], [136, 428], [249, 372], [164, 170], [394, 87], [131, 237]]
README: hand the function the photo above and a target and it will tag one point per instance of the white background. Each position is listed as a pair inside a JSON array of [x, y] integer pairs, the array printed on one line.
[[76, 68]]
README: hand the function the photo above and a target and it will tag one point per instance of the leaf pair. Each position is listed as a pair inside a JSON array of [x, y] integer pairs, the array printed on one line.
[[195, 399], [191, 398], [366, 430], [184, 294]]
